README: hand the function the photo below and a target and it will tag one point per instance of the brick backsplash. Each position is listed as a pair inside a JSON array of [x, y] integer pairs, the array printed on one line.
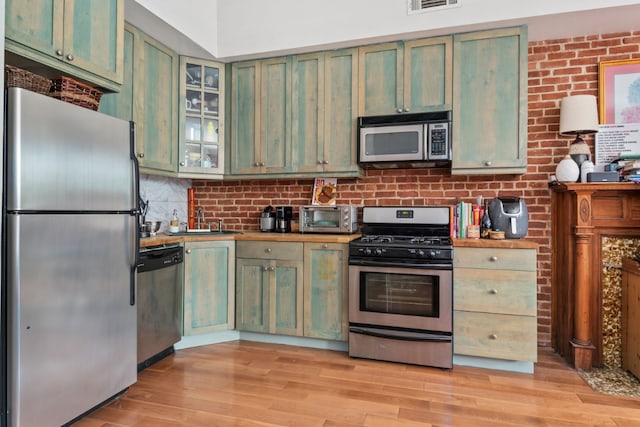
[[557, 68]]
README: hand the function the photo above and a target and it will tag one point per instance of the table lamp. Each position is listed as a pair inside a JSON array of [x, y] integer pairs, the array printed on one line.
[[578, 116]]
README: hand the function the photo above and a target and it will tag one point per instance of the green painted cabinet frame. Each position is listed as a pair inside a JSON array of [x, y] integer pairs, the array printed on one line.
[[325, 290], [149, 97], [82, 39], [405, 77], [490, 102], [209, 286]]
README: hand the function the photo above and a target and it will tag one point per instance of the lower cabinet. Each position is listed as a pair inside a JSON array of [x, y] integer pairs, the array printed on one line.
[[209, 280], [296, 289], [325, 290], [269, 287], [494, 303]]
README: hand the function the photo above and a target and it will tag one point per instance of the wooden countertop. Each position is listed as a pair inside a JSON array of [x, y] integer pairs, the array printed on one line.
[[490, 243], [162, 239]]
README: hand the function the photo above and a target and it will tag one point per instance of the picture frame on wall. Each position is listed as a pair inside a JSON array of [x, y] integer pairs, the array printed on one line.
[[619, 91]]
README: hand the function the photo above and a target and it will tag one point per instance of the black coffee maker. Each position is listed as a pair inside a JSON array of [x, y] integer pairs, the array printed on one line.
[[283, 219]]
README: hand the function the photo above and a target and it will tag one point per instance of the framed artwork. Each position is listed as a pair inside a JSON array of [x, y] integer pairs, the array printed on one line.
[[619, 91]]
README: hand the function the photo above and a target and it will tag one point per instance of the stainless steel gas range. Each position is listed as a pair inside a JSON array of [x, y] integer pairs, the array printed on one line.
[[400, 286]]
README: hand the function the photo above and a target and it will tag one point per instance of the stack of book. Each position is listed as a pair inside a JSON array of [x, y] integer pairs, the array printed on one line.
[[465, 220], [628, 166]]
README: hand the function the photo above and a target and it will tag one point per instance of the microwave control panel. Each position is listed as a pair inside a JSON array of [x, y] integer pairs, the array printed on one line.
[[438, 142]]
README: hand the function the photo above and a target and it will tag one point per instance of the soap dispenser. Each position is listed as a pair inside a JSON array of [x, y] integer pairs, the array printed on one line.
[[174, 224]]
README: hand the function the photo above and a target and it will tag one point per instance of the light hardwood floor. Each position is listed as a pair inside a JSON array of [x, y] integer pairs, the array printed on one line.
[[246, 383]]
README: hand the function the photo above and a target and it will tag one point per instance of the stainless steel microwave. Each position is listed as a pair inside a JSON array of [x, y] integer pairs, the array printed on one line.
[[420, 137], [340, 219]]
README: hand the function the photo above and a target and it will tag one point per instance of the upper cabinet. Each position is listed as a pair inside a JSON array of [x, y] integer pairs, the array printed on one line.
[[294, 116], [405, 77], [150, 98], [260, 117], [83, 39], [201, 106], [490, 102]]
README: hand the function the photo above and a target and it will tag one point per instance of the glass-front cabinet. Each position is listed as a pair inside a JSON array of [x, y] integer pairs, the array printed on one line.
[[201, 118]]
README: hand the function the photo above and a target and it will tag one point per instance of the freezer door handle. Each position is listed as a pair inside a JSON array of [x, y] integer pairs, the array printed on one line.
[[135, 213]]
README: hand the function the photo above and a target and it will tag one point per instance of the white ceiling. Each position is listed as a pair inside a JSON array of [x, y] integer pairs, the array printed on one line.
[[230, 32]]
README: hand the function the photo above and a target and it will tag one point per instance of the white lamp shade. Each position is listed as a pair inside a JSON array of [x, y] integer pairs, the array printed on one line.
[[578, 115]]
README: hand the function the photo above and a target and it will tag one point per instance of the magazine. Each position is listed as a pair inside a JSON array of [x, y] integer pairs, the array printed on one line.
[[324, 192]]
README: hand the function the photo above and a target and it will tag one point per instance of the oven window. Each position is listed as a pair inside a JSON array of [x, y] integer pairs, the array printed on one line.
[[406, 294]]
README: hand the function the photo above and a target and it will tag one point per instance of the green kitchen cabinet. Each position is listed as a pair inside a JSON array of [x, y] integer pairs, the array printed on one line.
[[79, 38], [201, 109], [405, 77], [325, 290], [324, 113], [261, 117], [150, 96], [269, 287], [490, 102], [209, 286]]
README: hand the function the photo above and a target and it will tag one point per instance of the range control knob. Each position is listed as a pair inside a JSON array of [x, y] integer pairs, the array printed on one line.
[[367, 251], [378, 251], [432, 254]]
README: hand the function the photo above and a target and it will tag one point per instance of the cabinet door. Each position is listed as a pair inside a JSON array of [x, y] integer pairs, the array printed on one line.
[[245, 119], [275, 116], [338, 152], [490, 102], [307, 118], [325, 289], [120, 104], [285, 306], [201, 103], [37, 24], [209, 287], [252, 295], [155, 105], [93, 36], [380, 79], [428, 73]]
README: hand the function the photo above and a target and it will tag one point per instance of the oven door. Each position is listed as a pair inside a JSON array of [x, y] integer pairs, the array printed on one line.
[[418, 299]]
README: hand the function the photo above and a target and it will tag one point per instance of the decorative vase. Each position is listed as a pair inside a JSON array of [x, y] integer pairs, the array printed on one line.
[[585, 168], [567, 170]]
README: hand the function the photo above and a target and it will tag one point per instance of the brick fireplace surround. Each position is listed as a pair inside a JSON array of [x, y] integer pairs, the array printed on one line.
[[557, 68]]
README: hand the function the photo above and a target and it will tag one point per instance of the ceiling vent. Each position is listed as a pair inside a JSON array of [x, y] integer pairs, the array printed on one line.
[[419, 6]]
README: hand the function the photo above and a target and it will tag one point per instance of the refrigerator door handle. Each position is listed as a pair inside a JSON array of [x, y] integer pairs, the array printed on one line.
[[136, 213]]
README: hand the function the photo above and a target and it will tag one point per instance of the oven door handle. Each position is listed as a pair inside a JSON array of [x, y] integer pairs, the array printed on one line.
[[400, 335]]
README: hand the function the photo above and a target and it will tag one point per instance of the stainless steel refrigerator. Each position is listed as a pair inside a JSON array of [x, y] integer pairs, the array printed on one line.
[[70, 246]]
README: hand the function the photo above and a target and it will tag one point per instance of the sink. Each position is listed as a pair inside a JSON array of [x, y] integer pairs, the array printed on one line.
[[202, 232]]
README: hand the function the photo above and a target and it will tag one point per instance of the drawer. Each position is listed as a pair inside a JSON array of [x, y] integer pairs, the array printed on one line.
[[499, 336], [495, 259], [270, 250], [495, 291]]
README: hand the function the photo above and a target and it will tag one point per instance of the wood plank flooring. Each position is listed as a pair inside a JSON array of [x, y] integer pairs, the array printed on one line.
[[245, 383]]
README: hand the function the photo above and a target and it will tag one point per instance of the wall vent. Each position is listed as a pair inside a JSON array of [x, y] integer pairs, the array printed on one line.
[[419, 6]]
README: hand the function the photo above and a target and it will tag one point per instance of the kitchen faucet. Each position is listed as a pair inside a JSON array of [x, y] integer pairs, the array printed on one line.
[[199, 217]]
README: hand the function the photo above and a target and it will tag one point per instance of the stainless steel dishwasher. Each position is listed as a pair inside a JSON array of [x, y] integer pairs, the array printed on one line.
[[160, 275]]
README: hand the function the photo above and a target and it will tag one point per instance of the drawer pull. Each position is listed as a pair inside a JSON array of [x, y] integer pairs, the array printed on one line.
[[493, 291], [268, 250], [493, 258], [493, 337], [325, 246], [188, 251]]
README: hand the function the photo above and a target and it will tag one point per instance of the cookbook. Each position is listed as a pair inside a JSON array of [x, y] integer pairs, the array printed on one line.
[[324, 192]]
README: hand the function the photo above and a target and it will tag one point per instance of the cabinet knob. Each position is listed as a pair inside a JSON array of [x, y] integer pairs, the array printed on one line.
[[256, 164], [325, 246], [406, 110], [399, 110], [59, 52], [188, 251], [272, 268], [141, 155], [265, 268], [261, 163], [493, 258], [181, 163], [493, 337], [493, 291], [268, 250], [70, 57], [487, 163], [325, 162]]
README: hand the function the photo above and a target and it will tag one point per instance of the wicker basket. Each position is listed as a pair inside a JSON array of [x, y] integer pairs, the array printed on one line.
[[17, 77], [74, 92]]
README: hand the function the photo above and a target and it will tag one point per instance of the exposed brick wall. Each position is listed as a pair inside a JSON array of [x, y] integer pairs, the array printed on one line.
[[557, 68]]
